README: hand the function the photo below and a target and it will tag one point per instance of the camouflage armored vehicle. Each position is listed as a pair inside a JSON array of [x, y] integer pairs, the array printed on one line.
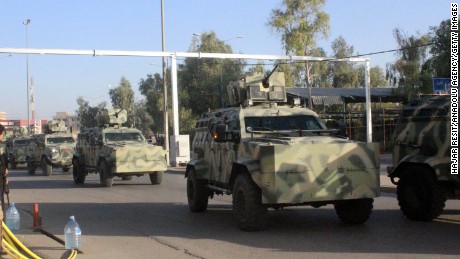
[[421, 158], [54, 148], [18, 150], [268, 154], [116, 151]]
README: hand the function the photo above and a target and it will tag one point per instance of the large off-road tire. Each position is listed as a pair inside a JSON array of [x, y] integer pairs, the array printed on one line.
[[354, 211], [105, 175], [420, 196], [31, 166], [156, 177], [197, 193], [46, 168], [78, 172], [248, 209]]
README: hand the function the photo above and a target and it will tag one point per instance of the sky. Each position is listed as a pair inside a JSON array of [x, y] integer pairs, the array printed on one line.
[[59, 80]]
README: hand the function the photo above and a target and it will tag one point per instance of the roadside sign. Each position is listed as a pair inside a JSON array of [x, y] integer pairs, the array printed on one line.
[[441, 85]]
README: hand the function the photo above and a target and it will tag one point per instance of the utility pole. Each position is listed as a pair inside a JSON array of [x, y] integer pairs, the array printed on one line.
[[26, 22], [165, 89]]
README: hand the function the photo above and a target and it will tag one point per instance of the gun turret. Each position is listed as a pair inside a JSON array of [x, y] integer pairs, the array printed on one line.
[[54, 126], [19, 132], [112, 117], [255, 88]]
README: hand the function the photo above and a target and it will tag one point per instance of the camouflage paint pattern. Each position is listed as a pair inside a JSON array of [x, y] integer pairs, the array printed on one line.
[[54, 126], [56, 148], [422, 136], [123, 156], [112, 117], [288, 169], [290, 166], [19, 150]]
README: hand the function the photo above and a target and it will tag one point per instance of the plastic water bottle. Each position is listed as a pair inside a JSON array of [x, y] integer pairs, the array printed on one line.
[[12, 218], [72, 234]]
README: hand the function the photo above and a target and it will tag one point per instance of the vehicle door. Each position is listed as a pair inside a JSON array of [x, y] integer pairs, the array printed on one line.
[[224, 153]]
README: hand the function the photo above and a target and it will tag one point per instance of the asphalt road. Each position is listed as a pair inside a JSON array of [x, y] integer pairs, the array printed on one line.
[[134, 219]]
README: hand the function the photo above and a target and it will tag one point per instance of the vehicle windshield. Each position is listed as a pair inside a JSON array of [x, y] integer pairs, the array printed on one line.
[[282, 123], [60, 140], [21, 142], [124, 136]]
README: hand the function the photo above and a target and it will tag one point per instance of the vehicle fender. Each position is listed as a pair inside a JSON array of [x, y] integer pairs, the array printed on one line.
[[100, 159], [46, 158], [79, 157], [200, 167], [249, 166], [432, 163]]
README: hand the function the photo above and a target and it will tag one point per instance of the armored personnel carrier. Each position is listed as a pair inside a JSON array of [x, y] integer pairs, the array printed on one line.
[[53, 148], [112, 150], [268, 154], [18, 150], [421, 158]]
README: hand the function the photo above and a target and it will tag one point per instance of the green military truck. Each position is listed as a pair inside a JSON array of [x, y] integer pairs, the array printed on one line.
[[112, 150], [53, 148], [18, 149], [268, 154], [421, 158]]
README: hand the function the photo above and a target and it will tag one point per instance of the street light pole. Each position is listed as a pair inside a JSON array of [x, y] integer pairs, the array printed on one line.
[[26, 22], [165, 90]]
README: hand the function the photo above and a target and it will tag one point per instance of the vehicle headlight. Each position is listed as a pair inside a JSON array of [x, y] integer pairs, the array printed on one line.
[[54, 150]]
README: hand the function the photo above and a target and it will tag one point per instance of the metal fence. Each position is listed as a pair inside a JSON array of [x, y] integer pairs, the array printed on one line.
[[353, 125]]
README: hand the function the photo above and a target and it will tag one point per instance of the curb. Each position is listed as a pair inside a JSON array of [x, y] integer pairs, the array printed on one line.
[[387, 189], [176, 170]]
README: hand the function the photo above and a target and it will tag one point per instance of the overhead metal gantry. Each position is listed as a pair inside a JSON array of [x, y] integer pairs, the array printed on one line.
[[174, 55]]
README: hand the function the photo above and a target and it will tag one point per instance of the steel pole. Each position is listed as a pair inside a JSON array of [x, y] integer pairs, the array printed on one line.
[[367, 85], [165, 89], [27, 78]]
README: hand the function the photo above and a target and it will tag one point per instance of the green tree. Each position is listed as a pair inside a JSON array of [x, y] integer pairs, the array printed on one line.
[[377, 77], [406, 72], [143, 120], [203, 81], [259, 67], [343, 73], [440, 50], [122, 97], [299, 22], [376, 74], [87, 113], [152, 89], [438, 65], [319, 70]]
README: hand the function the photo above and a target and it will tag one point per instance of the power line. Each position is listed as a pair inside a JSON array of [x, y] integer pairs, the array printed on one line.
[[393, 50], [331, 59]]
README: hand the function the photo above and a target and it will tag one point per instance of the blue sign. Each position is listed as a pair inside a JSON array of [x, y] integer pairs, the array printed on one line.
[[441, 85]]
